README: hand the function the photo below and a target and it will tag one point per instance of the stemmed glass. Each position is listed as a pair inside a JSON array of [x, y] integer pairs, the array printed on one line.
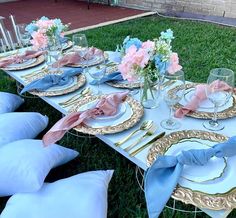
[[55, 51], [98, 73], [80, 44], [217, 95], [23, 34], [173, 97]]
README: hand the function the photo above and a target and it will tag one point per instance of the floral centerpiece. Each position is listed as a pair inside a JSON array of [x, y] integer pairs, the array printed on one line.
[[148, 61], [44, 30]]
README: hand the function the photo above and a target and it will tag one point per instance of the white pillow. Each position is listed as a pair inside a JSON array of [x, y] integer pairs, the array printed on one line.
[[21, 125], [24, 164], [9, 102], [80, 196]]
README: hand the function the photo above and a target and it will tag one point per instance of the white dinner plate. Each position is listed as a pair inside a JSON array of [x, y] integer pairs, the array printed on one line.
[[211, 171], [124, 113], [206, 105], [25, 63]]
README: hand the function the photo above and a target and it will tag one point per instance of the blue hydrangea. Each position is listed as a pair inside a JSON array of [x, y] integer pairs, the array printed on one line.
[[132, 41], [60, 26], [31, 28], [161, 65], [44, 18], [167, 35]]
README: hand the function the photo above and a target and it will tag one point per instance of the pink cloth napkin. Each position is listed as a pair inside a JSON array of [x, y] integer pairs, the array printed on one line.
[[200, 96], [106, 106], [20, 58], [76, 58]]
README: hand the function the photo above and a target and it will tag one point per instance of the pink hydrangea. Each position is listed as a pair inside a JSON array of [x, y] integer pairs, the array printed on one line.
[[150, 45], [132, 60], [44, 24], [39, 40], [174, 64]]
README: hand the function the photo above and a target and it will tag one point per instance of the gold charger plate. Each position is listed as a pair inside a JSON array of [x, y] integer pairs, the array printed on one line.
[[218, 201], [224, 114], [38, 61], [137, 113], [80, 81]]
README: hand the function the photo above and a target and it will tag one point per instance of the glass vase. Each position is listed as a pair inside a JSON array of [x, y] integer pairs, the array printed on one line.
[[149, 93]]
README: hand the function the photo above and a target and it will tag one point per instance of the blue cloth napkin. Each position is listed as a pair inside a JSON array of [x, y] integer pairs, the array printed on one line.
[[115, 76], [52, 80], [162, 177]]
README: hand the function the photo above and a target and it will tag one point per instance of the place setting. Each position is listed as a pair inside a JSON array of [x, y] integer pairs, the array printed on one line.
[[98, 114], [54, 83], [22, 60]]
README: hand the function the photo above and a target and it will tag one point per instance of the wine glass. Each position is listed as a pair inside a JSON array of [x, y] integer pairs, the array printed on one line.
[[98, 73], [173, 97], [55, 51], [80, 44], [217, 95], [23, 34]]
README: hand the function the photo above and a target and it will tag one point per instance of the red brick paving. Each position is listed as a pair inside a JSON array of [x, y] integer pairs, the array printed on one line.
[[70, 11]]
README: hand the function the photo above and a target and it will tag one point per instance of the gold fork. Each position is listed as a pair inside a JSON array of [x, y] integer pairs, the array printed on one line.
[[150, 132], [28, 76]]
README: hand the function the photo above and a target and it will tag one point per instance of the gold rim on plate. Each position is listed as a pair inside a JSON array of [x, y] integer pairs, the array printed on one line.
[[219, 201], [81, 80], [227, 113], [38, 61], [137, 113]]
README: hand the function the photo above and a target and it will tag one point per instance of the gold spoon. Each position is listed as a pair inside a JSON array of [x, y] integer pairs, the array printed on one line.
[[144, 126]]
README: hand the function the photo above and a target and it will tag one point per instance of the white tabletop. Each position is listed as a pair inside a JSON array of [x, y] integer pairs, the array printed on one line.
[[157, 115]]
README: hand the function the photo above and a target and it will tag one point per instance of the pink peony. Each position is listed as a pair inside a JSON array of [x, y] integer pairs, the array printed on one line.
[[174, 64], [150, 45], [39, 40]]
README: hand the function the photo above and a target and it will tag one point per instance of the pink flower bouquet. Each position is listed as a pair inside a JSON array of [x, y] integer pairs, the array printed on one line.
[[43, 29]]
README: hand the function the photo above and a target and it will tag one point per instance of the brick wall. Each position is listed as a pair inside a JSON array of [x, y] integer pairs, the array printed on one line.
[[226, 8]]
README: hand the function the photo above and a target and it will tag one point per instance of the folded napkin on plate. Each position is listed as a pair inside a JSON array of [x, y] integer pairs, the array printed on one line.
[[73, 58], [115, 76], [162, 177], [106, 106], [200, 96], [16, 59], [51, 80]]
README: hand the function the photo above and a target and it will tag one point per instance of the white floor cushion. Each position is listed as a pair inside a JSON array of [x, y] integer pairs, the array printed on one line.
[[80, 196], [24, 164], [21, 125], [9, 102]]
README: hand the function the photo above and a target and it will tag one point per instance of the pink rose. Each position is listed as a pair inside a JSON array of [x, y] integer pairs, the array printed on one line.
[[174, 64]]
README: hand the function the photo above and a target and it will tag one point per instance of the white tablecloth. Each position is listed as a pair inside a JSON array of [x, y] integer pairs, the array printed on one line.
[[157, 115]]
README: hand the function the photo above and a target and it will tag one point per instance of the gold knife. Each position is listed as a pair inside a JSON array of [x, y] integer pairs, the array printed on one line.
[[147, 144]]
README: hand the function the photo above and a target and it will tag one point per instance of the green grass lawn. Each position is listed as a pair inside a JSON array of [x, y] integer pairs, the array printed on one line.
[[201, 47]]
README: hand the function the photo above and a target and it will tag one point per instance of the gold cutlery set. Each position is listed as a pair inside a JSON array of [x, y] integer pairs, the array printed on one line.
[[83, 93], [150, 128], [29, 76]]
